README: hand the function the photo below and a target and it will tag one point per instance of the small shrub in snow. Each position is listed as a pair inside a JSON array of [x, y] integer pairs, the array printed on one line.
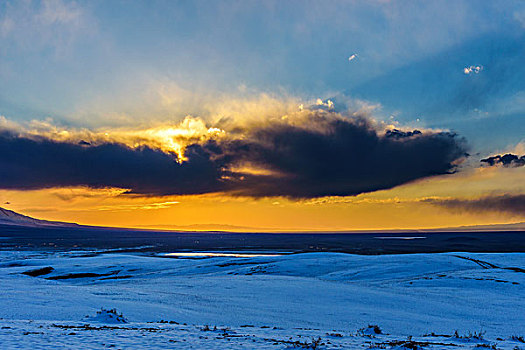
[[487, 346], [408, 344], [168, 322], [375, 328], [335, 335], [518, 338], [207, 328], [371, 330], [314, 344], [476, 335]]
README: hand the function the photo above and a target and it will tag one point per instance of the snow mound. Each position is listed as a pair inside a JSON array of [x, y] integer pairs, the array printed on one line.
[[107, 316]]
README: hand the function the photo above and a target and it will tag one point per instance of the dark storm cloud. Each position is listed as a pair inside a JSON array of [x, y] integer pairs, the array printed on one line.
[[507, 160], [326, 156], [337, 156], [508, 203], [42, 163], [399, 134]]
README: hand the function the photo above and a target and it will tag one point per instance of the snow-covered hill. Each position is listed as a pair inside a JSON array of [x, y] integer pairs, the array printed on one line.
[[9, 217], [95, 300]]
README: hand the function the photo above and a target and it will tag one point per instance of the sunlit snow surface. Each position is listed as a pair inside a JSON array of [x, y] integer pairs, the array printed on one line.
[[261, 302]]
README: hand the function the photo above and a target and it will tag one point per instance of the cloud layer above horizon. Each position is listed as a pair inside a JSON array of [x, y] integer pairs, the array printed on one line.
[[312, 154], [505, 203]]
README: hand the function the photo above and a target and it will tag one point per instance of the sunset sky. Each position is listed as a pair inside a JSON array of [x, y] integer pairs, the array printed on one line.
[[263, 115]]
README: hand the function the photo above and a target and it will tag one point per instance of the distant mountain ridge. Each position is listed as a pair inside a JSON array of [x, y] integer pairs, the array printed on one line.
[[9, 217]]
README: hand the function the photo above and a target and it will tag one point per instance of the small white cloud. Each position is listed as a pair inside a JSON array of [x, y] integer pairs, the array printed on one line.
[[472, 69], [352, 57], [320, 104]]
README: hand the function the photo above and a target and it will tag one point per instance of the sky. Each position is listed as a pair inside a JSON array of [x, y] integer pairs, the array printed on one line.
[[263, 115]]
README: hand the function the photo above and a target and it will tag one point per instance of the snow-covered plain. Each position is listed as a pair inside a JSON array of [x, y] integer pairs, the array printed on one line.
[[311, 300]]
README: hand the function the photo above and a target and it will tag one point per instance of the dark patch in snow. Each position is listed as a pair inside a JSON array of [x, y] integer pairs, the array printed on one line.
[[81, 275], [39, 272]]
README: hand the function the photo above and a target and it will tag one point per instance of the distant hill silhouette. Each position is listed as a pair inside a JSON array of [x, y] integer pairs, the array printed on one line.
[[9, 217]]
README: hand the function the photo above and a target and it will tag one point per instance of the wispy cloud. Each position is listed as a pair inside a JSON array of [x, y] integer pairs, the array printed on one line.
[[35, 25], [506, 203], [132, 207]]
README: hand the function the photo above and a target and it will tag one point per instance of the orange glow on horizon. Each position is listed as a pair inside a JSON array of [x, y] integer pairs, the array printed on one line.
[[402, 207]]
